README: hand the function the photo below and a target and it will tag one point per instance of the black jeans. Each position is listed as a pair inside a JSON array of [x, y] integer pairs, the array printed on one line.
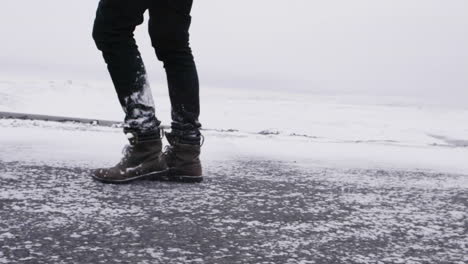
[[169, 30]]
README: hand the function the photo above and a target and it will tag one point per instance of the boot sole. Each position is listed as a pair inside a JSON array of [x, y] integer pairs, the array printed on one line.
[[177, 176], [165, 175], [148, 176]]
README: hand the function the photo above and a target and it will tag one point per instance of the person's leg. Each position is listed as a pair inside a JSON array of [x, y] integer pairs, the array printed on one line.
[[169, 30], [113, 33]]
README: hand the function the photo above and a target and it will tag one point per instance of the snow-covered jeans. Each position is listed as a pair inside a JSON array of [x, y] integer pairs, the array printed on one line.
[[169, 31]]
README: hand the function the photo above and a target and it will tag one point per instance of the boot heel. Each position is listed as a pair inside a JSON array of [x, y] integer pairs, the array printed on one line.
[[183, 176], [158, 176], [187, 179]]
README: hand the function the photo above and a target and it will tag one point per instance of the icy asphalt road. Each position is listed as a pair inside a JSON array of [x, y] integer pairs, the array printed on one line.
[[252, 208]]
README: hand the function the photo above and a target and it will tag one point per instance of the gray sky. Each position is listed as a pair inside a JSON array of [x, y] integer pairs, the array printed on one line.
[[417, 47]]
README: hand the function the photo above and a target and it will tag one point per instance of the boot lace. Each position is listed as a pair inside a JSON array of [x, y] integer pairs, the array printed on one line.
[[168, 151], [126, 153]]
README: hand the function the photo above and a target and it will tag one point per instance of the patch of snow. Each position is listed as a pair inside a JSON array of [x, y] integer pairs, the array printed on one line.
[[90, 147], [328, 118], [310, 129]]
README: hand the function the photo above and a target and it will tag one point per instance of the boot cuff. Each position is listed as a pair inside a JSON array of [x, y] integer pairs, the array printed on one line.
[[139, 137], [175, 138]]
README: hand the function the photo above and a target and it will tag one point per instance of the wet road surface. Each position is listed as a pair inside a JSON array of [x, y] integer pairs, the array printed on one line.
[[248, 210]]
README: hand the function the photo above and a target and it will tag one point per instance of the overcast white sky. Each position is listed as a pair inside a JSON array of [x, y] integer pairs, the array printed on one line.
[[417, 47]]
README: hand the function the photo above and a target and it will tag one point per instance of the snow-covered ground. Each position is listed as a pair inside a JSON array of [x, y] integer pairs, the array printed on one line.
[[332, 130]]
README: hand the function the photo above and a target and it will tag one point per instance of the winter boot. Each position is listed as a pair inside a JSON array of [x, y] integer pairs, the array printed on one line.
[[183, 158], [142, 160]]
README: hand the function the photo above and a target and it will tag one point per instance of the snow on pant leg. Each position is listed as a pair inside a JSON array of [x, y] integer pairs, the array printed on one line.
[[169, 30], [113, 33]]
